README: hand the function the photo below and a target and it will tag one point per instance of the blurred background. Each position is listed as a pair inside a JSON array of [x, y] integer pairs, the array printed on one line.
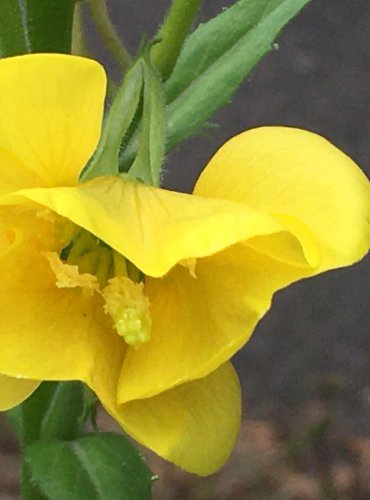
[[305, 373]]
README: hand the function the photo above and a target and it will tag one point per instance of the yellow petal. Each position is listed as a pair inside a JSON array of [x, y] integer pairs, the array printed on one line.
[[194, 425], [294, 173], [199, 323], [50, 121], [14, 391], [47, 333], [155, 229], [14, 174]]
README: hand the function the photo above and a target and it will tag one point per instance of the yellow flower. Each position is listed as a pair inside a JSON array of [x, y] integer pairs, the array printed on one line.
[[142, 293]]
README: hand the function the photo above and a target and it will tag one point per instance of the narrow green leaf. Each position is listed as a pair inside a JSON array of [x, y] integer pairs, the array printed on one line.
[[117, 123], [212, 39], [49, 25], [148, 162], [214, 61], [93, 467], [13, 39], [217, 58]]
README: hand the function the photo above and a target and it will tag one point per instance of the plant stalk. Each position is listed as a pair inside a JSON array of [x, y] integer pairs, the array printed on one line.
[[100, 16], [173, 32]]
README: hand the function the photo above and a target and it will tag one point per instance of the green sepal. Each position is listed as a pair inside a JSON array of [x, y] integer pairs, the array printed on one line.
[[116, 124], [92, 467], [12, 34], [147, 166], [212, 86]]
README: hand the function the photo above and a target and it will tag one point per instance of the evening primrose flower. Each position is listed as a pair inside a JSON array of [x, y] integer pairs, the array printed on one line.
[[142, 293]]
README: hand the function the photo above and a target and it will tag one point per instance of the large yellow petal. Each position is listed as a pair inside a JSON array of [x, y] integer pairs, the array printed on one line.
[[194, 425], [291, 172], [155, 229], [47, 333], [199, 323], [14, 174], [50, 121], [14, 391]]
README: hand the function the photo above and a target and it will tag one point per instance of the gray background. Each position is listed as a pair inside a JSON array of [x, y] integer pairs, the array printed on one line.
[[317, 334]]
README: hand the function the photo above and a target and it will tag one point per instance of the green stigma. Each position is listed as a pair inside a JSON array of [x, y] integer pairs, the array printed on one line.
[[133, 326], [126, 303]]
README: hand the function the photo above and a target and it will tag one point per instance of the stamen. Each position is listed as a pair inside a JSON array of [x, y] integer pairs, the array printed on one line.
[[90, 255], [83, 243], [104, 265], [119, 263], [88, 263], [133, 272]]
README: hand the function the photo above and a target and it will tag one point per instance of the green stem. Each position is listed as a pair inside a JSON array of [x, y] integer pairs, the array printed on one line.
[[105, 28], [79, 44], [173, 33], [79, 47]]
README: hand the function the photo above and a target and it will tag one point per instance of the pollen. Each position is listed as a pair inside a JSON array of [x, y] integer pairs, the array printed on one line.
[[128, 307]]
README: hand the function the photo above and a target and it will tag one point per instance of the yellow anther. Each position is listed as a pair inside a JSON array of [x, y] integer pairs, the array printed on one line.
[[69, 276]]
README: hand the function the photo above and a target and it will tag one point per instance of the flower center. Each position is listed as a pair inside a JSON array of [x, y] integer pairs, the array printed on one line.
[[117, 280], [91, 256]]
